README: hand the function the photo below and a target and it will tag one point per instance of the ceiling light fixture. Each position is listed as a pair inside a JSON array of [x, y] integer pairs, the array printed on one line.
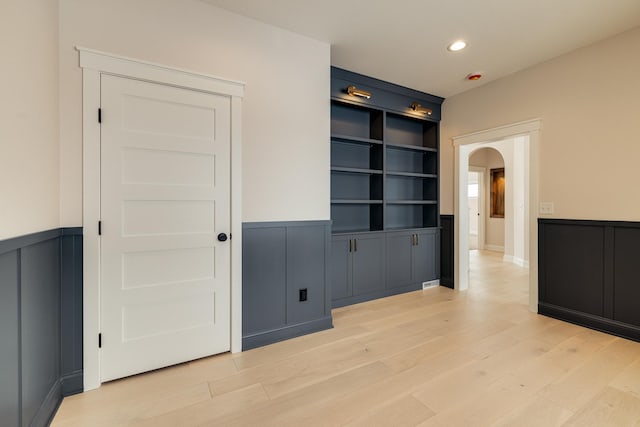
[[457, 45], [420, 109], [354, 91], [474, 76]]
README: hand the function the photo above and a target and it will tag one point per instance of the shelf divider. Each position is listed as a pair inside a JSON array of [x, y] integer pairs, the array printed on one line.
[[355, 202], [354, 139], [356, 170]]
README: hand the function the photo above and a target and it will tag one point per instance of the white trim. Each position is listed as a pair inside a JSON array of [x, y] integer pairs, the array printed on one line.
[[90, 240], [494, 248], [520, 262], [94, 64], [236, 224], [150, 71], [501, 132], [515, 260], [531, 128]]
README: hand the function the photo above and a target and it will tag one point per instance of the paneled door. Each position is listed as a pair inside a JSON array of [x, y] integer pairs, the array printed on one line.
[[165, 213]]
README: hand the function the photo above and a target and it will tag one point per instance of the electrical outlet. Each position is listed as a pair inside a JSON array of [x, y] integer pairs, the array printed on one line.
[[303, 294], [546, 208]]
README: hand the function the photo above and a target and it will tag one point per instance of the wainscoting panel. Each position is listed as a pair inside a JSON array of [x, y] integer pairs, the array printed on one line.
[[446, 251], [10, 338], [626, 295], [588, 274], [40, 320], [574, 261], [40, 277], [279, 259], [71, 311], [264, 291]]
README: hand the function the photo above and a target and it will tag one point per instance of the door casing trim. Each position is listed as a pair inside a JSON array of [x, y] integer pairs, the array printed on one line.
[[94, 64]]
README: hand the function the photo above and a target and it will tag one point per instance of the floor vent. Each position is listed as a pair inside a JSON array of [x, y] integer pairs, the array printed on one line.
[[430, 284]]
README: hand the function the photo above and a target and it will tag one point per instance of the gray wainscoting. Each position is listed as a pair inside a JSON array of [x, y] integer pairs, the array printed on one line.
[[40, 324], [71, 311], [588, 274], [280, 260], [446, 250]]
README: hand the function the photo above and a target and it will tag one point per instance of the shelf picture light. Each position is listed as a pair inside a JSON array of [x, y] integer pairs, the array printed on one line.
[[354, 91], [420, 109]]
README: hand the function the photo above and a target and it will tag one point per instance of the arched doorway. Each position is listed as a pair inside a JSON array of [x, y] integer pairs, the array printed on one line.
[[486, 220]]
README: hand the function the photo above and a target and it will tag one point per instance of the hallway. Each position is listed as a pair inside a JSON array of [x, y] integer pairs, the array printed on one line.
[[498, 281]]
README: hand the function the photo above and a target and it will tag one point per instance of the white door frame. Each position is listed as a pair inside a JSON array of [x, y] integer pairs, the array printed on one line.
[[463, 145], [93, 64], [481, 203]]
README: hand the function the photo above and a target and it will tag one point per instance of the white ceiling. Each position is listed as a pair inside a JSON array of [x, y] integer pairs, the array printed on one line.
[[404, 41]]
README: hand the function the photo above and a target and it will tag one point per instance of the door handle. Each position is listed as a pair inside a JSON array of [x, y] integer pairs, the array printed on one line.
[[355, 245], [222, 237], [349, 245], [417, 241]]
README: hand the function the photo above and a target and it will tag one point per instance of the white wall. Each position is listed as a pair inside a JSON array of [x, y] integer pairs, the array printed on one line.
[[588, 103], [285, 110], [28, 117]]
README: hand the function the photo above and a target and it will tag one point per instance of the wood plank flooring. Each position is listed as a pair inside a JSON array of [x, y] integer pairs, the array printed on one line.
[[428, 358]]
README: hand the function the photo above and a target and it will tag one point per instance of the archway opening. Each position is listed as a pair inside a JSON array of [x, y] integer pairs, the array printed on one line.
[[518, 143], [486, 200]]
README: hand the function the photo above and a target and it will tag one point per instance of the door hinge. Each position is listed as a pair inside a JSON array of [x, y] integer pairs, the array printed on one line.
[[100, 340], [99, 115], [99, 228]]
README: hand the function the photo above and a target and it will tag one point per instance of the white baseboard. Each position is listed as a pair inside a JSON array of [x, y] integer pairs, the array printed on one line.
[[515, 260], [519, 262], [494, 248]]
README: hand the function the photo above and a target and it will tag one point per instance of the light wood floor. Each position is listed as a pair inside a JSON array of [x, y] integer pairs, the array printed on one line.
[[429, 358]]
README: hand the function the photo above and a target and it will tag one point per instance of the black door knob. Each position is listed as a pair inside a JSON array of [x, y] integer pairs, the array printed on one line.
[[222, 237]]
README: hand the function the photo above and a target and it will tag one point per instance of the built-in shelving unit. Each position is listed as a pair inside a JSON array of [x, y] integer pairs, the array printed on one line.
[[384, 175], [384, 169], [357, 174]]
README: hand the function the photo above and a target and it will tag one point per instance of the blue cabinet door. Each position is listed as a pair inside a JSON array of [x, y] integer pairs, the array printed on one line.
[[425, 256], [341, 286], [368, 263], [399, 259]]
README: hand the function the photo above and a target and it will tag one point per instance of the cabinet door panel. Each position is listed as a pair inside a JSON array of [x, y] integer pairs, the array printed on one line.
[[368, 264], [424, 258], [399, 247], [340, 268]]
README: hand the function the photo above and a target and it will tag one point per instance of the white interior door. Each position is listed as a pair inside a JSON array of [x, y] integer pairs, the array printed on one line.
[[165, 197]]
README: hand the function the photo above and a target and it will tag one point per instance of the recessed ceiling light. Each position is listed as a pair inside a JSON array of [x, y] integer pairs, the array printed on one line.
[[457, 45]]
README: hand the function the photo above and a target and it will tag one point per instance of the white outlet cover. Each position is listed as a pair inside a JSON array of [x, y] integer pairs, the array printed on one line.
[[546, 208]]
